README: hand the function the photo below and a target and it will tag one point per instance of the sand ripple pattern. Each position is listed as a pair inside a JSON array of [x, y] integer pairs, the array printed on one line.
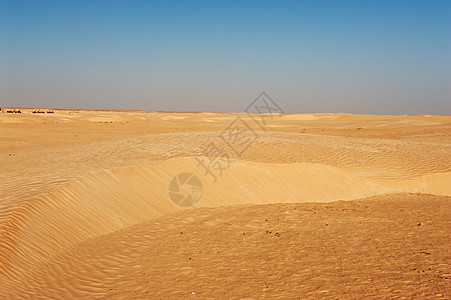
[[88, 219]]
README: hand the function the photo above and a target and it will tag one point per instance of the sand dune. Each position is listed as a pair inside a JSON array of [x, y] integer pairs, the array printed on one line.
[[85, 197], [340, 249]]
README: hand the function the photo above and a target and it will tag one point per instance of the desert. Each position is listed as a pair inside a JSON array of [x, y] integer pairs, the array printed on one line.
[[120, 205], [225, 149]]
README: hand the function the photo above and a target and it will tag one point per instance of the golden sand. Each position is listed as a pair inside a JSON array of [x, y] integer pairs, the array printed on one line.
[[315, 206]]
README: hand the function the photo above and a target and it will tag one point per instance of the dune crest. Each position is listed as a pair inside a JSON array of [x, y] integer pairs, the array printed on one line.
[[105, 201], [85, 202]]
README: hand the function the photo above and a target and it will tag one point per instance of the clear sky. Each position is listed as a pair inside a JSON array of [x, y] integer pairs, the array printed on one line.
[[381, 57]]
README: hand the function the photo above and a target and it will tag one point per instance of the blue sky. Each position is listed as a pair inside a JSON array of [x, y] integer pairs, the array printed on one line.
[[381, 57]]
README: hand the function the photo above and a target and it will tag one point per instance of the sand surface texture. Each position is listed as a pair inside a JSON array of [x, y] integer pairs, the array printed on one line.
[[312, 206]]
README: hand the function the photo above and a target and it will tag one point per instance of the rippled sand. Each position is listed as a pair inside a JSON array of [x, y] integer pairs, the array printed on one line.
[[308, 206]]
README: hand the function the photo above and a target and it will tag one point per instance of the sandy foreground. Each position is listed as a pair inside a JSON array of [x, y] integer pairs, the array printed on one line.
[[316, 206]]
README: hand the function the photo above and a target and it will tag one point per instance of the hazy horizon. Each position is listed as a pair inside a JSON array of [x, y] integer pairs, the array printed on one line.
[[310, 57]]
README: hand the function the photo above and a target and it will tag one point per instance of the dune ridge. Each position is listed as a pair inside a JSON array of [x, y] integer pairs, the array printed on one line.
[[84, 194], [105, 201], [171, 256]]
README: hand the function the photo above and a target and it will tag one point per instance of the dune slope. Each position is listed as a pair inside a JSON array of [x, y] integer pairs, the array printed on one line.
[[78, 216]]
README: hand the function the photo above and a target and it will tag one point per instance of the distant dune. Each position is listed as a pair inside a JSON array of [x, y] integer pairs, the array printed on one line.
[[306, 206]]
